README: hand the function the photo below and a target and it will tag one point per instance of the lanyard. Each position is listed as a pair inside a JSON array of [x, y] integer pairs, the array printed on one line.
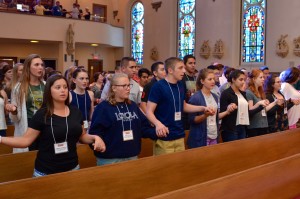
[[33, 99], [66, 125], [174, 97], [84, 104], [122, 117]]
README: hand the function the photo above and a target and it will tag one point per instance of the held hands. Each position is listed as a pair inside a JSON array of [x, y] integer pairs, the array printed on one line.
[[161, 130], [99, 145], [295, 101], [264, 103], [10, 108], [209, 111], [231, 107]]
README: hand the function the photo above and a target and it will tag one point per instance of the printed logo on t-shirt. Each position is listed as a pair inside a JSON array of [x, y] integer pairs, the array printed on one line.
[[128, 116]]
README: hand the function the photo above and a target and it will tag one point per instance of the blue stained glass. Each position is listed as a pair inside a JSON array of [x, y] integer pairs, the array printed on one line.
[[137, 32], [186, 27], [253, 32]]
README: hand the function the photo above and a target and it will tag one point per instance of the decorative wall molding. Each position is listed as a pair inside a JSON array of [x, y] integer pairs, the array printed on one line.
[[156, 5], [282, 47], [205, 50], [297, 46], [154, 54], [218, 49]]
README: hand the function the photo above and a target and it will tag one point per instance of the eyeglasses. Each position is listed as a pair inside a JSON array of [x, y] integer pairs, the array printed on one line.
[[125, 86]]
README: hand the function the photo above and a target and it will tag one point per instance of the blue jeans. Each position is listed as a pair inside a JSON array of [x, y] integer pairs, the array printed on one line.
[[102, 161], [239, 133], [3, 132], [37, 173]]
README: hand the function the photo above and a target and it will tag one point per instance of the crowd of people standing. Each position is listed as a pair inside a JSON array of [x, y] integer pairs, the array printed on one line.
[[51, 113]]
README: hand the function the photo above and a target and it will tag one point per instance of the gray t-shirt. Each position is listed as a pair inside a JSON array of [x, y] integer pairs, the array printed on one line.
[[135, 92], [257, 120]]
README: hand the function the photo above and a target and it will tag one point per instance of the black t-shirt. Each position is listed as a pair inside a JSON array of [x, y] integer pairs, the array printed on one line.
[[47, 161], [146, 90]]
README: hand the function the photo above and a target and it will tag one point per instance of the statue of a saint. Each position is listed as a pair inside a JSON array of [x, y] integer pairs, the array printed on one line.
[[70, 40]]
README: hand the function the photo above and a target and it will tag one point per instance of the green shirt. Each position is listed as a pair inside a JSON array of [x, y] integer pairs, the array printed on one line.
[[34, 99]]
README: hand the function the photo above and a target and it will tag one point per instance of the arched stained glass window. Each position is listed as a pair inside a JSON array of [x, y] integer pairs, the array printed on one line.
[[137, 32], [186, 27], [253, 31]]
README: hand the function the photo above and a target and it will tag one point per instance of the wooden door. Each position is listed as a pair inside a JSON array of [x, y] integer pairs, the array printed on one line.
[[94, 65]]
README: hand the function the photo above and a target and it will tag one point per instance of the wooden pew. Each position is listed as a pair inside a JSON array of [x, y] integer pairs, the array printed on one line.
[[20, 165], [5, 149], [11, 162], [152, 176], [278, 179]]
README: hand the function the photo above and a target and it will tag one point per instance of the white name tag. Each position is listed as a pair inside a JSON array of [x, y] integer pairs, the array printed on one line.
[[61, 148], [177, 116], [127, 135], [211, 120], [85, 124], [263, 112]]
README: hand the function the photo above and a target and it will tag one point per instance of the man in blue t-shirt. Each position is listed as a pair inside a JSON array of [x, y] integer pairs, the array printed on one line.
[[165, 106], [57, 9]]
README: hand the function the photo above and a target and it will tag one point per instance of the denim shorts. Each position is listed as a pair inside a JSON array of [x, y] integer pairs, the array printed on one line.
[[37, 173]]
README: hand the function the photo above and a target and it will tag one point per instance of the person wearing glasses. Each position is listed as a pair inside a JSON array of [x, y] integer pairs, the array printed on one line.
[[129, 67], [277, 115], [27, 97], [120, 123]]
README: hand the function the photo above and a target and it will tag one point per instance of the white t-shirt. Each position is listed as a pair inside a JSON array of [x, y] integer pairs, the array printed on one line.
[[242, 111], [290, 92], [212, 129], [135, 92], [2, 115]]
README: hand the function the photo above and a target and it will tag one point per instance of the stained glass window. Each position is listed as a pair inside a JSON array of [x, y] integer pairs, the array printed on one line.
[[137, 32], [186, 27], [253, 31]]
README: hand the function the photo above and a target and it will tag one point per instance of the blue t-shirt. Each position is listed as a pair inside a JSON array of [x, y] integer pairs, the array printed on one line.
[[83, 103], [109, 121], [57, 11], [161, 94]]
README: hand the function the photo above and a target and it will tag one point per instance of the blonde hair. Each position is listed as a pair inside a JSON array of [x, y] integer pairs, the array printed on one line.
[[111, 95], [15, 78]]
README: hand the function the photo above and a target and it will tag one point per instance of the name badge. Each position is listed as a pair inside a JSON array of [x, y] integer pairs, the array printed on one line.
[[241, 117], [263, 112], [212, 120], [127, 135], [61, 148], [285, 110], [85, 124], [177, 116]]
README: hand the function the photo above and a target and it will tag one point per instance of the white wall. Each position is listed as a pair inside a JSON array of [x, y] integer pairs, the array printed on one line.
[[283, 18], [216, 20]]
